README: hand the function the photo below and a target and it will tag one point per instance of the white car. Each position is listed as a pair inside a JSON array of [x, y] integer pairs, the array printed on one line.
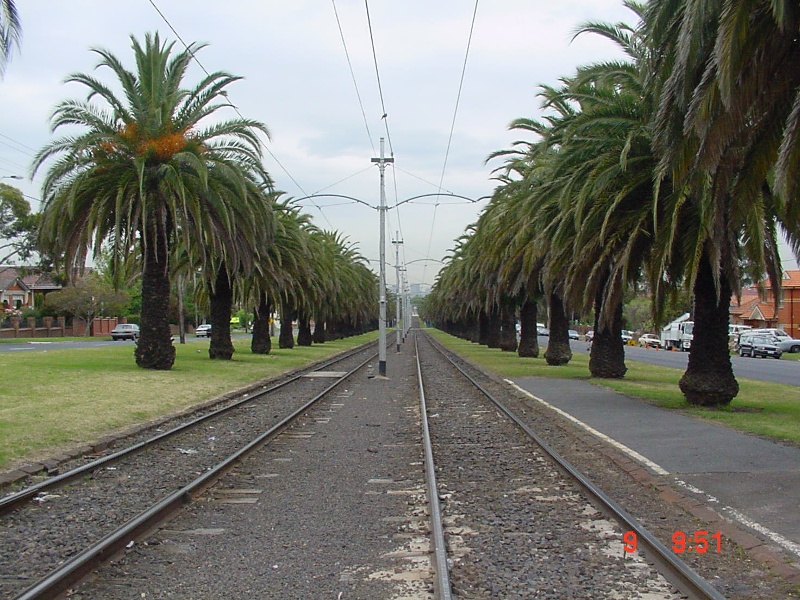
[[648, 340], [125, 331], [203, 330]]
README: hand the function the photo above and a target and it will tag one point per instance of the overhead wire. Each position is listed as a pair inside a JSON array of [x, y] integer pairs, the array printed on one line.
[[353, 76], [360, 101], [385, 114], [200, 64], [327, 187], [452, 129], [424, 180], [22, 147], [385, 119], [14, 164]]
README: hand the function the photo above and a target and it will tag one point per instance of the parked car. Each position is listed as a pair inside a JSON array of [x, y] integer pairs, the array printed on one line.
[[789, 344], [648, 340], [785, 342], [782, 339], [754, 345], [203, 330], [627, 336], [125, 331], [573, 335], [590, 335], [542, 330]]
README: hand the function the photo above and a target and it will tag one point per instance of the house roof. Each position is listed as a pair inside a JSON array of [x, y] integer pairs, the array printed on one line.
[[8, 276], [791, 279], [33, 282], [41, 281], [752, 308]]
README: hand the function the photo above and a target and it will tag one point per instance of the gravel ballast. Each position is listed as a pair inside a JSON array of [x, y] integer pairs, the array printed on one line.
[[335, 507]]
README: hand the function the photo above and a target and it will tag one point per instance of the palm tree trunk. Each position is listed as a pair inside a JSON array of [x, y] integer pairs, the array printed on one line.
[[709, 379], [607, 356], [473, 326], [286, 337], [221, 345], [304, 329], [181, 315], [558, 351], [154, 349], [261, 343], [508, 326], [319, 331], [528, 338], [493, 328], [483, 328]]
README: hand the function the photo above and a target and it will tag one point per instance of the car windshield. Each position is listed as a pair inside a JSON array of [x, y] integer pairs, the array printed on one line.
[[688, 327]]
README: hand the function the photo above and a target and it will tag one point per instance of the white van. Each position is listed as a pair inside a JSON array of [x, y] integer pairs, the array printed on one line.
[[738, 329]]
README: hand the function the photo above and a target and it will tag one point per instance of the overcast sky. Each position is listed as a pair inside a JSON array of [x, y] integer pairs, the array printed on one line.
[[297, 81]]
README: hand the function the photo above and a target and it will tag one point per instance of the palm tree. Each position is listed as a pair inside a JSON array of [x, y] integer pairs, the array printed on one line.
[[725, 103], [348, 290], [147, 172], [282, 270], [603, 172], [233, 253], [10, 32]]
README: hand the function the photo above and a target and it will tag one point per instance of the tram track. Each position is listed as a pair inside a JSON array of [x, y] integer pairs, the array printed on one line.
[[335, 504], [54, 532], [498, 524]]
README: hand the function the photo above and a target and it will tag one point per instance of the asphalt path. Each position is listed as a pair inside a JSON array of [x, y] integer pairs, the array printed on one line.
[[40, 346], [765, 369]]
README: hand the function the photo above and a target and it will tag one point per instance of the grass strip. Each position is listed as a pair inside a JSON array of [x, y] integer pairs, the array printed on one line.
[[54, 400], [761, 408]]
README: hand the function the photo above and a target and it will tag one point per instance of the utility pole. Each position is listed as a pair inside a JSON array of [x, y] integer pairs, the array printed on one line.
[[397, 326], [407, 302], [382, 315]]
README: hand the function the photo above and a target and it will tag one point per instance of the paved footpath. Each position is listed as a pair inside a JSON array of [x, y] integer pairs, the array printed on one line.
[[747, 479]]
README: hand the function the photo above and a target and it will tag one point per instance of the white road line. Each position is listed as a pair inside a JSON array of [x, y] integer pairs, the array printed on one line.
[[731, 513], [622, 447]]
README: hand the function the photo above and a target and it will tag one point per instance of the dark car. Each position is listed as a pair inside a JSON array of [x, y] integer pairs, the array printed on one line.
[[125, 331], [759, 345]]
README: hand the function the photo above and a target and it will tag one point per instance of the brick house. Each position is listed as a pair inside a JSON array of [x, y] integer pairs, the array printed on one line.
[[759, 313], [18, 291]]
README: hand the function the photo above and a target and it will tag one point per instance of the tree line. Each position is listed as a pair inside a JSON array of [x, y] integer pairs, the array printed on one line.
[[152, 180], [674, 168]]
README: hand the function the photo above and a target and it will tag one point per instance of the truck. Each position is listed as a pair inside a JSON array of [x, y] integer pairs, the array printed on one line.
[[678, 334]]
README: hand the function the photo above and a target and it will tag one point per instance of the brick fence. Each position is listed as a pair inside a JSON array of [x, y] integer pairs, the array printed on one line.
[[56, 327]]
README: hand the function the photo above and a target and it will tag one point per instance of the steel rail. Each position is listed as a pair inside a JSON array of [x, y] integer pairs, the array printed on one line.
[[441, 584], [74, 570], [677, 572], [12, 501]]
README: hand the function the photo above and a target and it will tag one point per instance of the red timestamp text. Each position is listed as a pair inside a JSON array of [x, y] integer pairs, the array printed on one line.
[[700, 541]]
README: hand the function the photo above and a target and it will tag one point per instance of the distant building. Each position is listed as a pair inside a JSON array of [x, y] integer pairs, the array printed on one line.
[[17, 291], [420, 289], [758, 313]]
